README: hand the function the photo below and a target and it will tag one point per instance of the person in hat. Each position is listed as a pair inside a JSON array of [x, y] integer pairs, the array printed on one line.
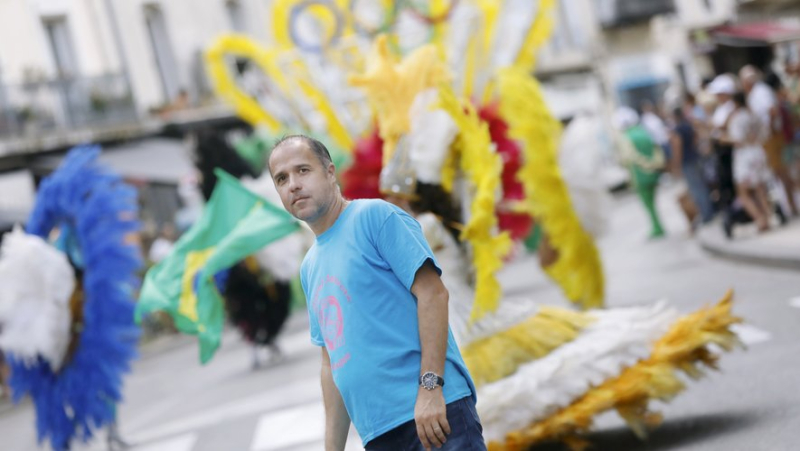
[[723, 87]]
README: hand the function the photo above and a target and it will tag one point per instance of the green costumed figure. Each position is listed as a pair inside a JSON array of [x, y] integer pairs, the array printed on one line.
[[644, 158]]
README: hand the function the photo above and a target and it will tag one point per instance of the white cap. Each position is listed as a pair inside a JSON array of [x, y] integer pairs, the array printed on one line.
[[723, 84], [625, 118]]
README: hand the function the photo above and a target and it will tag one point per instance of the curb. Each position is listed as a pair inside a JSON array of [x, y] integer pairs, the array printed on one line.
[[753, 250]]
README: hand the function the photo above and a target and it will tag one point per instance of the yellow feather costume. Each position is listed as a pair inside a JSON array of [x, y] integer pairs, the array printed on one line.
[[578, 269]]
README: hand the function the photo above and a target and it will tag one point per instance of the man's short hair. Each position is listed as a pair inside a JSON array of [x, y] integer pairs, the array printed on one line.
[[316, 146]]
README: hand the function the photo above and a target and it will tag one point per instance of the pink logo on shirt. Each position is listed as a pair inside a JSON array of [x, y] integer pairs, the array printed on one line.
[[331, 323], [331, 317]]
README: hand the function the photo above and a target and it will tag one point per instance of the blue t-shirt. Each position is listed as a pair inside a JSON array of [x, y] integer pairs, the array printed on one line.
[[689, 153], [357, 279]]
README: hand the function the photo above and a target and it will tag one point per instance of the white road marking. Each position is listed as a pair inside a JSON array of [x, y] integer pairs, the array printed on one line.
[[300, 428], [290, 427], [180, 443], [183, 442], [751, 335]]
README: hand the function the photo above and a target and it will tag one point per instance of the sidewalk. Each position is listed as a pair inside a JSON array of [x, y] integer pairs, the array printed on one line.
[[779, 247]]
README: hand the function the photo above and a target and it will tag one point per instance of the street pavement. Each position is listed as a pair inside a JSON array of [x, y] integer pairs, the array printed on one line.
[[175, 404]]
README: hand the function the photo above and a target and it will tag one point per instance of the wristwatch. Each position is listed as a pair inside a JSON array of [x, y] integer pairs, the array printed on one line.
[[430, 380]]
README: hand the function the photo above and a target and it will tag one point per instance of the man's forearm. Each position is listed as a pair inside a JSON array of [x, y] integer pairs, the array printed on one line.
[[337, 420], [430, 411], [432, 316]]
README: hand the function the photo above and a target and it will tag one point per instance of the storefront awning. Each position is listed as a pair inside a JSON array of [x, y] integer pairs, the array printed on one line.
[[756, 34]]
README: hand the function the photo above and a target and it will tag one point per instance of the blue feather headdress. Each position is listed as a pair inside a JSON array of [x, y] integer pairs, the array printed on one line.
[[96, 214]]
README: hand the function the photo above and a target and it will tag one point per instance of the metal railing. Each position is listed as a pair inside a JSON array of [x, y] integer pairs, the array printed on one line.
[[32, 108], [616, 13]]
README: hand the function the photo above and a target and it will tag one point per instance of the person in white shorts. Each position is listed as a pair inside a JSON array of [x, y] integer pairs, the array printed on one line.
[[750, 170]]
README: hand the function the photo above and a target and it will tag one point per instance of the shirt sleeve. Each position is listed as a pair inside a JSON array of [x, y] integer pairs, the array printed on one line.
[[403, 246]]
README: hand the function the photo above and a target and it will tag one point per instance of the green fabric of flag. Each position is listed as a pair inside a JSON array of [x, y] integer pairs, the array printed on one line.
[[235, 223], [255, 148]]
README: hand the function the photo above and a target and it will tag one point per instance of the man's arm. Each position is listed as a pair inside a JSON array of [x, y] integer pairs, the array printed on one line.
[[677, 153], [337, 420], [430, 411]]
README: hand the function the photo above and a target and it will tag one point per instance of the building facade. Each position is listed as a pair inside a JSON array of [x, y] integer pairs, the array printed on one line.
[[87, 63]]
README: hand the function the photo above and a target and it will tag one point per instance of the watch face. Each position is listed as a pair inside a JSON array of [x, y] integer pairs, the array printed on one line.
[[429, 381]]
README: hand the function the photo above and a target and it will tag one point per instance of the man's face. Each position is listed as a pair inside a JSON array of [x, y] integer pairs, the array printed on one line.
[[307, 189], [748, 79]]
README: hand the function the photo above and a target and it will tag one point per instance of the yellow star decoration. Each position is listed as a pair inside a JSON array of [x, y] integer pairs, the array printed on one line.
[[391, 87]]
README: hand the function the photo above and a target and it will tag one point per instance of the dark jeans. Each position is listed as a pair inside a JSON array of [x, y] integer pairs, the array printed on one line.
[[466, 432]]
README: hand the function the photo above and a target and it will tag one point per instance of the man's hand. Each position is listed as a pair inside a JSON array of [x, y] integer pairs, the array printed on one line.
[[430, 414]]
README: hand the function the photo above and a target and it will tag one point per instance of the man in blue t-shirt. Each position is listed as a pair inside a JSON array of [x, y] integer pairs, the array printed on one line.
[[686, 161], [378, 309]]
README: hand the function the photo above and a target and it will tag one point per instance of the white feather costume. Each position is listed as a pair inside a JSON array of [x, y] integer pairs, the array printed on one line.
[[580, 160], [432, 132], [618, 339], [38, 282]]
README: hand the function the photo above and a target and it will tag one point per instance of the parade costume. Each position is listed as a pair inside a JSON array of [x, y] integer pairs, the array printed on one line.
[[517, 224], [73, 304]]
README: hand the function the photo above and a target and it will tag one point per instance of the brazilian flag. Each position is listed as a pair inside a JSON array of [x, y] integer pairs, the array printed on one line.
[[235, 223]]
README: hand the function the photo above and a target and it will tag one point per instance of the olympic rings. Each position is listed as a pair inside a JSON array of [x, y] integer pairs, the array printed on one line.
[[300, 8], [386, 25], [346, 15]]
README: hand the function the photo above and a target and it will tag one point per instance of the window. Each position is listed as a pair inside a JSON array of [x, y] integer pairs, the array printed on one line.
[[567, 34], [61, 45], [162, 50]]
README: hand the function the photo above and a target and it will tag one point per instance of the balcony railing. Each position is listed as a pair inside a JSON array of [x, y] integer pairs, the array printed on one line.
[[47, 106], [618, 13]]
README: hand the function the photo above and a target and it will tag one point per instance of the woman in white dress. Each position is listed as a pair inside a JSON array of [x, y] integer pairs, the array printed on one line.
[[750, 170]]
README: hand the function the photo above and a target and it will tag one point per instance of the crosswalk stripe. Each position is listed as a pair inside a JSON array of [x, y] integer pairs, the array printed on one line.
[[180, 443], [302, 390], [290, 427]]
